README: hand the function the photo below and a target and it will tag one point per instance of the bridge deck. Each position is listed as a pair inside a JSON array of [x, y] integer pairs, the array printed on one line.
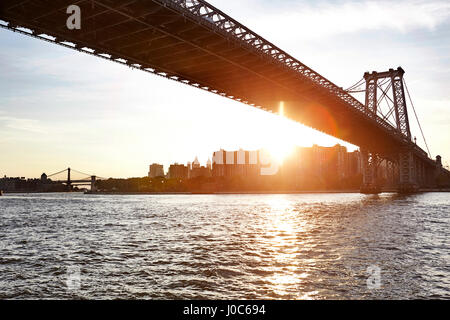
[[195, 43]]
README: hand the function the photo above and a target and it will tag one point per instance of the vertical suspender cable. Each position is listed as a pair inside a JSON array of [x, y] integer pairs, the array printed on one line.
[[417, 118]]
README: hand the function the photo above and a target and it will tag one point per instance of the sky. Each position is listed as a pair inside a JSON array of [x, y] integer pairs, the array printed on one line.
[[60, 108]]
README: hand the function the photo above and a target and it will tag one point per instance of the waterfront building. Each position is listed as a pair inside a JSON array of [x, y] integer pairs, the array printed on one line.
[[201, 171], [156, 170], [178, 171], [318, 166], [196, 163], [197, 170], [329, 161], [20, 184], [354, 165]]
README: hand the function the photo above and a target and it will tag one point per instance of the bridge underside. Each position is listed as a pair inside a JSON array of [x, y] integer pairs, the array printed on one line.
[[163, 38]]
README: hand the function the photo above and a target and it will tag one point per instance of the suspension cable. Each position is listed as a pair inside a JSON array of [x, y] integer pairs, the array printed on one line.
[[417, 118], [85, 174], [89, 175], [56, 173], [360, 82], [79, 172], [385, 93], [383, 82]]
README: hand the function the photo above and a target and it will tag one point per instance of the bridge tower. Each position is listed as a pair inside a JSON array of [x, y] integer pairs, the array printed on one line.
[[405, 157], [69, 183], [93, 184]]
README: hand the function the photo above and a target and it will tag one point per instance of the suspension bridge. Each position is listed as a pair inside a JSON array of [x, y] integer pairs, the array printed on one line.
[[68, 178], [193, 42]]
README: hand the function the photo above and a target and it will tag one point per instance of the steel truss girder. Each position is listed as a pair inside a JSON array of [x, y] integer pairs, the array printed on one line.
[[401, 111], [206, 14], [215, 21], [371, 95]]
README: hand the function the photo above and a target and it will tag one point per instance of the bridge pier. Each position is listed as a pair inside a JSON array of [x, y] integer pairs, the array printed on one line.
[[391, 174], [370, 162], [408, 181]]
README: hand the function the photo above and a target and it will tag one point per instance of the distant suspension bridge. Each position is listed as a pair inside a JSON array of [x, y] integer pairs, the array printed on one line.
[[81, 178]]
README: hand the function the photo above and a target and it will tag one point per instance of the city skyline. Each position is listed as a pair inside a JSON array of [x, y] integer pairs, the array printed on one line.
[[63, 108], [241, 156], [269, 159]]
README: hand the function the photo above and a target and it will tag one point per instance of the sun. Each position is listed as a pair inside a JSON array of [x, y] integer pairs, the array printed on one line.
[[280, 151], [282, 144]]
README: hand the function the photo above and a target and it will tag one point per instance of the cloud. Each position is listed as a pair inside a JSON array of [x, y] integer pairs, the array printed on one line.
[[320, 19], [22, 124]]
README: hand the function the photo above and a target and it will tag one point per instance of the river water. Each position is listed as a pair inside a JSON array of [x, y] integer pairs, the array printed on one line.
[[297, 246]]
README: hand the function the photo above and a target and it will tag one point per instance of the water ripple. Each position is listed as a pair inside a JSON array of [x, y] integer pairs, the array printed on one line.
[[308, 246]]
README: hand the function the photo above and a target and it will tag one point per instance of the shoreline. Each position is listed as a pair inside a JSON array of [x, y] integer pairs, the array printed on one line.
[[37, 192], [256, 192], [218, 192]]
